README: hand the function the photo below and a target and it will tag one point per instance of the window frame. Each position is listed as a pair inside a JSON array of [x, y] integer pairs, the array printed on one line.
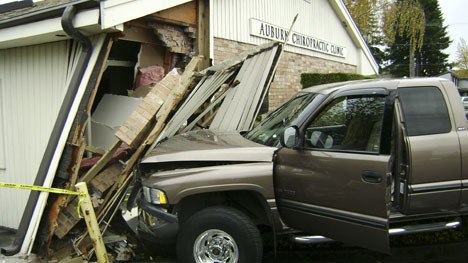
[[405, 116], [369, 92]]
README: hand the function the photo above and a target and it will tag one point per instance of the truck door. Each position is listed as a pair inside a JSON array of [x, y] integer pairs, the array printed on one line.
[[336, 183], [430, 167]]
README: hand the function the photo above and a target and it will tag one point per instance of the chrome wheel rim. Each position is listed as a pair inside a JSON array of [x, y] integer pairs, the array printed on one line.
[[215, 246]]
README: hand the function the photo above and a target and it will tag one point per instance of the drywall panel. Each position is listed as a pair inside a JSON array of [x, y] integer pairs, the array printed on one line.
[[111, 112]]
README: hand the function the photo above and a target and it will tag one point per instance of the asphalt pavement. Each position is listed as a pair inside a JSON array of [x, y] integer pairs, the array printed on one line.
[[297, 253]]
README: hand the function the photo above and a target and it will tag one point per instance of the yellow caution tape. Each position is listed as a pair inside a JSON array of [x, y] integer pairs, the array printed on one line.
[[39, 188], [46, 189]]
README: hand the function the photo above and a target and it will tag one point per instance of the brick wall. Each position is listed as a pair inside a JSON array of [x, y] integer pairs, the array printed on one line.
[[288, 75]]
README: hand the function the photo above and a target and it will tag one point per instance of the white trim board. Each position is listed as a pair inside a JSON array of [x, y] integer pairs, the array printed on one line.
[[120, 11]]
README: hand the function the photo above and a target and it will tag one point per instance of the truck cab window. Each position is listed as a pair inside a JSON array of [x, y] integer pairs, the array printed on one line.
[[424, 110], [352, 123]]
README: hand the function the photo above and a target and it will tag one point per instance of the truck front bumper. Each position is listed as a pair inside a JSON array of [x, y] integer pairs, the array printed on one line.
[[156, 211], [165, 231]]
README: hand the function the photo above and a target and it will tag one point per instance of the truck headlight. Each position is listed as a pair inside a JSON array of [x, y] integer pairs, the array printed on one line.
[[154, 196]]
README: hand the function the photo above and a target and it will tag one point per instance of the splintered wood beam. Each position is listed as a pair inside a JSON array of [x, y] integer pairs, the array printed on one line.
[[101, 163], [98, 81], [96, 150], [76, 166]]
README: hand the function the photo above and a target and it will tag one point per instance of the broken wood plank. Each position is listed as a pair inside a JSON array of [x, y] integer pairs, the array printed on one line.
[[95, 150], [98, 81], [172, 102], [68, 217], [106, 178], [101, 163], [76, 166], [122, 177], [135, 127]]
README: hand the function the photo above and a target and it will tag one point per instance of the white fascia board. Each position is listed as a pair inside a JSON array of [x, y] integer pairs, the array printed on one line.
[[49, 30], [115, 12], [41, 203], [351, 27]]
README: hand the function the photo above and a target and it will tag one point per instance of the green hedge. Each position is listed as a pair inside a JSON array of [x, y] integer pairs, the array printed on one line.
[[312, 79]]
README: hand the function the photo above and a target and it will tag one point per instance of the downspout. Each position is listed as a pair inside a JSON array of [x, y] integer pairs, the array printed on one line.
[[87, 48]]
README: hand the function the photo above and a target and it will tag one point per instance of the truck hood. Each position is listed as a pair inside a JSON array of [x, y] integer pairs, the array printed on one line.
[[208, 145]]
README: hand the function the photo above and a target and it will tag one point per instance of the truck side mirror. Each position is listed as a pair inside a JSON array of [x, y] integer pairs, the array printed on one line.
[[290, 137]]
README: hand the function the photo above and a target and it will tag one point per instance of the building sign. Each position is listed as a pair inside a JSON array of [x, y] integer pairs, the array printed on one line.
[[265, 30]]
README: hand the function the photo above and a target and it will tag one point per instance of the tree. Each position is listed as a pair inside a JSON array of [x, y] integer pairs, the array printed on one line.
[[365, 15], [462, 55], [397, 55], [404, 27], [431, 60]]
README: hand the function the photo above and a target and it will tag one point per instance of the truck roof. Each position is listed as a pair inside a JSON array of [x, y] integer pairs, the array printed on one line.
[[372, 83]]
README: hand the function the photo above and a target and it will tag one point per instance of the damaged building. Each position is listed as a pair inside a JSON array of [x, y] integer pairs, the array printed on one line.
[[88, 87]]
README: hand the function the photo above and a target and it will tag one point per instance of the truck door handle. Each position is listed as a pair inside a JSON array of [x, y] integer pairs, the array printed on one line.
[[371, 177]]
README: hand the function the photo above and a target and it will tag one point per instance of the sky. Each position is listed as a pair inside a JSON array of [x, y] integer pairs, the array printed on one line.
[[455, 16]]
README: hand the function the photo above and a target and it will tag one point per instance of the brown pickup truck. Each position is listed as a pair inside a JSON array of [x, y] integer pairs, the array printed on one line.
[[353, 162]]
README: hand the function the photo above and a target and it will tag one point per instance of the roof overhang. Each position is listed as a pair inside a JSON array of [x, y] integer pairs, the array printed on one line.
[[353, 31], [45, 26], [35, 14], [48, 30]]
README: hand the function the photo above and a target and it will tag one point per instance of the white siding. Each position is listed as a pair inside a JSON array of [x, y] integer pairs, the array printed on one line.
[[363, 67], [33, 87], [317, 19], [2, 133]]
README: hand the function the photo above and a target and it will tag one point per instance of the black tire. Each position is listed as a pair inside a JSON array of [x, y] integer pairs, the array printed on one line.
[[230, 221]]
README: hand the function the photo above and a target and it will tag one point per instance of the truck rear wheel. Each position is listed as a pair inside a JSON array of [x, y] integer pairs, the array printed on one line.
[[219, 234]]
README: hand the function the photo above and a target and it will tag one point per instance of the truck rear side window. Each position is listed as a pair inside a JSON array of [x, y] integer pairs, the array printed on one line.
[[424, 110]]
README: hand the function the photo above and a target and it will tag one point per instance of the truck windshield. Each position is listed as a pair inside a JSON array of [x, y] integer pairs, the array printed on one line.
[[269, 130]]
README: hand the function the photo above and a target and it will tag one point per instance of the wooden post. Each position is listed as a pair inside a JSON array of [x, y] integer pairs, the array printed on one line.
[[91, 223], [203, 33]]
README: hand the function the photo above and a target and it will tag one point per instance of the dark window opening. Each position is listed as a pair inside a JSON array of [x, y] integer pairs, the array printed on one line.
[[425, 111], [119, 75]]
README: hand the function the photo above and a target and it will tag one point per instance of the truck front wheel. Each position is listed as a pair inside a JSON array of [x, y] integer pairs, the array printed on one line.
[[219, 234]]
